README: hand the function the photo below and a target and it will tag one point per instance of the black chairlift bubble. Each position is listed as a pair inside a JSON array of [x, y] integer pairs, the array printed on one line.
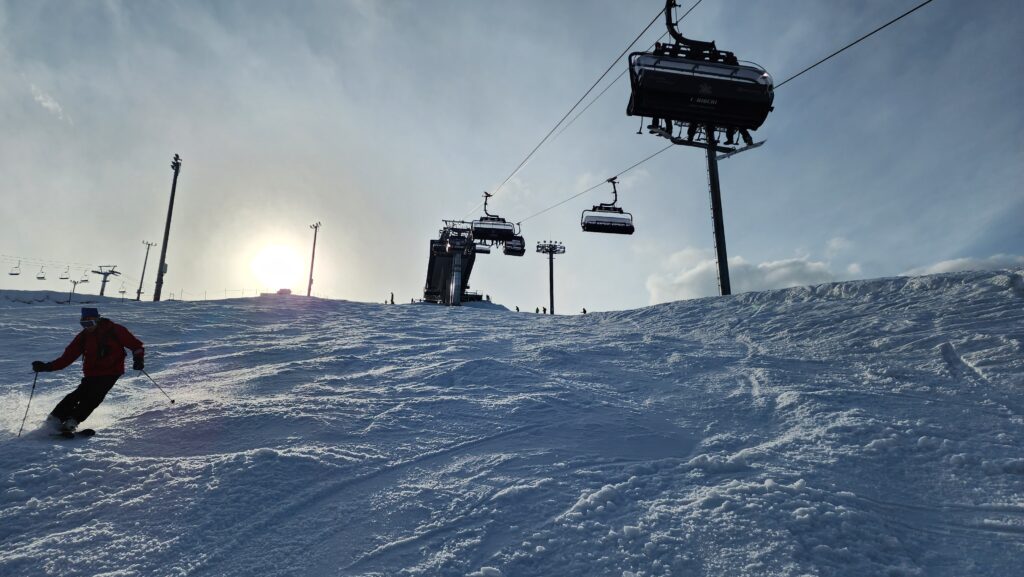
[[515, 247], [693, 82], [492, 228], [683, 90], [607, 217]]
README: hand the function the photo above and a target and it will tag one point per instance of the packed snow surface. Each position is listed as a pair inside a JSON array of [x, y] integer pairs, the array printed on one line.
[[865, 428]]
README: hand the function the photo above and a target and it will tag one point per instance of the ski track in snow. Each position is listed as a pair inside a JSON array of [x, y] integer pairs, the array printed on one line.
[[862, 428]]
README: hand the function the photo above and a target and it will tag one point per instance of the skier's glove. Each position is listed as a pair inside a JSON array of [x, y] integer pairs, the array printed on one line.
[[40, 366], [137, 364]]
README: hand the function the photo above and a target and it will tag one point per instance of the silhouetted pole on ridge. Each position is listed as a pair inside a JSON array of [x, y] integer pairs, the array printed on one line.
[[138, 294], [312, 259], [551, 249], [176, 165], [74, 285], [717, 217]]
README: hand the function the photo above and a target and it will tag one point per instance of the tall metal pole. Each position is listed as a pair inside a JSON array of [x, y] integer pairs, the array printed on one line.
[[551, 281], [176, 165], [717, 219], [312, 259], [138, 293], [551, 249]]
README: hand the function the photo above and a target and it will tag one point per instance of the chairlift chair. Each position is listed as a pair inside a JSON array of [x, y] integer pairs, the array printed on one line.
[[515, 247], [607, 217], [684, 90], [64, 275], [691, 81], [16, 270], [491, 227], [41, 275]]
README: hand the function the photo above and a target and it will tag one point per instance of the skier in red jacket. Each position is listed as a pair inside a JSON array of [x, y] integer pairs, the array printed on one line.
[[102, 343]]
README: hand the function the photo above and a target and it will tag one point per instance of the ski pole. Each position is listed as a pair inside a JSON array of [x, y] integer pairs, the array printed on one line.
[[32, 394], [158, 386]]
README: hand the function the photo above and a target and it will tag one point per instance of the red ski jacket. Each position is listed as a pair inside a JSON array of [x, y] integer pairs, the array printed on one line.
[[103, 349]]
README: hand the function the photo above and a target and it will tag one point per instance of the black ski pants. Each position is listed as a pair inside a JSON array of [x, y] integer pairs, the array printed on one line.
[[81, 402]]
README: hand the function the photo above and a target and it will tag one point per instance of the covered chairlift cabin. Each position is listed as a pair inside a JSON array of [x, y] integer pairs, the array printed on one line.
[[607, 217], [693, 82], [515, 247], [492, 227]]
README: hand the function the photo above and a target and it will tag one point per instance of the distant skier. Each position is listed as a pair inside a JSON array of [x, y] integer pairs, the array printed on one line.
[[102, 343]]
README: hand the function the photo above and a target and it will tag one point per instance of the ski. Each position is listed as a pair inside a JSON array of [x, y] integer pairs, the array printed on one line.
[[739, 150], [74, 434]]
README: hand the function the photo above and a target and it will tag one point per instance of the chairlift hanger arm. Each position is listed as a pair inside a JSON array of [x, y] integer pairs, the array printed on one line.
[[487, 195], [677, 36]]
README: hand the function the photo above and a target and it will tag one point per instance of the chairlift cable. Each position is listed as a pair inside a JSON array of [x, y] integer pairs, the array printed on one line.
[[574, 106], [578, 102], [893, 21], [621, 74], [603, 182]]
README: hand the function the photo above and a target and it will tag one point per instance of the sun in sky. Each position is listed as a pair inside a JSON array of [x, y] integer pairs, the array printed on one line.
[[277, 266]]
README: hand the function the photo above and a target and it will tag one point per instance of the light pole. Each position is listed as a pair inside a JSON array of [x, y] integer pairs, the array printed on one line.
[[551, 248], [138, 293], [176, 166], [312, 259]]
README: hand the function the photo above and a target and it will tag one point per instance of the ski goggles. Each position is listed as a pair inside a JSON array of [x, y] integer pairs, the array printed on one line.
[[86, 323]]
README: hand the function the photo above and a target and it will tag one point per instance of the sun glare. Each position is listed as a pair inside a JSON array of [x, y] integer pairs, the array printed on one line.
[[276, 267]]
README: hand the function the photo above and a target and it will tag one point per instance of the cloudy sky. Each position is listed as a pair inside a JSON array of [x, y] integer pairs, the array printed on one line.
[[381, 118]]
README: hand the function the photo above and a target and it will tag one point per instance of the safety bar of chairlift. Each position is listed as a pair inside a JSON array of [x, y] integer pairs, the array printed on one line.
[[691, 67]]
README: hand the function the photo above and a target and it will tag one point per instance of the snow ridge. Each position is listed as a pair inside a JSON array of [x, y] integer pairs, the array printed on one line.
[[864, 428]]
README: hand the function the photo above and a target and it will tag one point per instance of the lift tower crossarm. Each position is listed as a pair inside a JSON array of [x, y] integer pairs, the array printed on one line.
[[106, 271]]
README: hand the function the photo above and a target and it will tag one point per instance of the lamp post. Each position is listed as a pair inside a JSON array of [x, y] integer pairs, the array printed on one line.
[[316, 228], [176, 166], [138, 293], [551, 248]]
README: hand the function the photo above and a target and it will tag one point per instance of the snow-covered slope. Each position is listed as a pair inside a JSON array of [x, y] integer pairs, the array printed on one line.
[[866, 428]]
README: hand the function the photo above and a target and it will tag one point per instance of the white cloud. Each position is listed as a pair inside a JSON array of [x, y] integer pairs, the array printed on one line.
[[49, 103], [837, 245], [994, 262], [693, 273]]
